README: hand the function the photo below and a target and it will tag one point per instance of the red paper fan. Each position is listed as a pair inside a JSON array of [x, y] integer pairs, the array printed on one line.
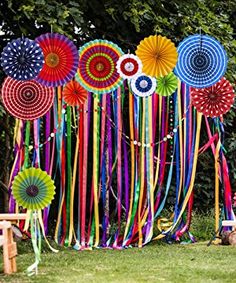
[[74, 94], [61, 59], [26, 100], [215, 100]]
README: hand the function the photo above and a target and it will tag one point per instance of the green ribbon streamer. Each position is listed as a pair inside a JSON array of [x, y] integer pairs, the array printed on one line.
[[27, 141], [36, 242]]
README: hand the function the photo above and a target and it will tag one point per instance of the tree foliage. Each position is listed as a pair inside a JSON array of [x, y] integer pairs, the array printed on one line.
[[126, 23]]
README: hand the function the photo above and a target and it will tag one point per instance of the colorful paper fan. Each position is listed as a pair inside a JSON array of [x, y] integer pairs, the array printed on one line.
[[202, 61], [143, 85], [61, 59], [22, 59], [74, 94], [26, 100], [129, 66], [158, 55], [33, 189], [97, 66], [167, 85], [215, 100]]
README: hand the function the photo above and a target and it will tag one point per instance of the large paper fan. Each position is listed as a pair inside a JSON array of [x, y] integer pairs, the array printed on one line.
[[158, 55], [74, 94], [215, 100], [167, 85], [202, 61], [61, 59], [22, 59], [143, 85], [33, 189], [26, 100], [97, 66]]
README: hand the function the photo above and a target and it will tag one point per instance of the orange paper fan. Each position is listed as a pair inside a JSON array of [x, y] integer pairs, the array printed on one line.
[[74, 94], [158, 55]]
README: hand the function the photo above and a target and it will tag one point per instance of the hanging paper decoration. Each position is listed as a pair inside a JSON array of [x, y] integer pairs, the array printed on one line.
[[22, 59], [74, 94], [26, 100], [158, 55], [143, 85], [202, 61], [61, 59], [97, 66], [167, 85], [33, 188], [215, 100], [129, 66]]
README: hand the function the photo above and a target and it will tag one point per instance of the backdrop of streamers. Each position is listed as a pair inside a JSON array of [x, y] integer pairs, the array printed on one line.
[[113, 145]]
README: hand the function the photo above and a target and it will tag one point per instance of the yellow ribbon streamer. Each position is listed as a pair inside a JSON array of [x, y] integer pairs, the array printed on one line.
[[95, 169]]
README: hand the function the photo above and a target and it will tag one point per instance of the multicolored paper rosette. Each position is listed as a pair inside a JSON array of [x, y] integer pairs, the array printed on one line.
[[158, 55], [61, 59], [167, 85], [215, 100], [97, 66], [129, 66], [202, 61], [74, 94], [33, 189], [22, 59], [143, 85], [26, 100]]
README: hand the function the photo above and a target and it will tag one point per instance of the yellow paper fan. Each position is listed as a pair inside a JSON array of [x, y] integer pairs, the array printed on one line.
[[158, 55]]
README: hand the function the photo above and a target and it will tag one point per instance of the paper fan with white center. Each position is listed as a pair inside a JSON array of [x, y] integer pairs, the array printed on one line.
[[143, 85], [129, 66]]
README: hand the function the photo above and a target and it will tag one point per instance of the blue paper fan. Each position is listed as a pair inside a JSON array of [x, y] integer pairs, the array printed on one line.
[[22, 59], [143, 85], [202, 61]]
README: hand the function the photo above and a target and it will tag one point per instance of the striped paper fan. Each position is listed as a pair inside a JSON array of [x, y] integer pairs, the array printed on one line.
[[26, 100]]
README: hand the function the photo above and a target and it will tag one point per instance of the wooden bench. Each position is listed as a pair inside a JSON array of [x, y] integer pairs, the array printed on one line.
[[6, 240], [9, 247], [12, 217]]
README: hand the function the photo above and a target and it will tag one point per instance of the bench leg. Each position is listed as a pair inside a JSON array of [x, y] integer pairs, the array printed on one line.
[[9, 257], [6, 261]]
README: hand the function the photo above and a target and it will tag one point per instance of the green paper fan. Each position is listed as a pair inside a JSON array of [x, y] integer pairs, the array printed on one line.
[[33, 188], [167, 85]]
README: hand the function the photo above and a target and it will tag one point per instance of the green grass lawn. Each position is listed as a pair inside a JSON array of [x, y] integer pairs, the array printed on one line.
[[153, 263]]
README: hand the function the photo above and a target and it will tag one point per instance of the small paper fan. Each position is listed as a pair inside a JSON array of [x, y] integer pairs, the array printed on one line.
[[143, 85], [33, 189], [167, 85], [74, 94], [129, 66]]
